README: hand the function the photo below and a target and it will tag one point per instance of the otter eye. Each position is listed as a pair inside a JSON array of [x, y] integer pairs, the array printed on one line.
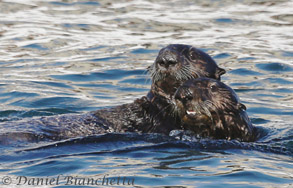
[[214, 88], [193, 55]]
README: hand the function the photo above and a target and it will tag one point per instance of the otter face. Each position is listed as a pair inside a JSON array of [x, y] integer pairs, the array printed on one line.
[[178, 63], [204, 101], [210, 108]]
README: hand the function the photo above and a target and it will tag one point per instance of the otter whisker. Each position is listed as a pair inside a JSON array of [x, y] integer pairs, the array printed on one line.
[[180, 76], [187, 72], [184, 74], [162, 76], [193, 70], [197, 109], [174, 110], [177, 76], [158, 76], [147, 78], [153, 74], [207, 112], [145, 72], [211, 106]]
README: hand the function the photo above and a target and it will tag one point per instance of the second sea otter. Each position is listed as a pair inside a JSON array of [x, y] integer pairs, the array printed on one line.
[[209, 108]]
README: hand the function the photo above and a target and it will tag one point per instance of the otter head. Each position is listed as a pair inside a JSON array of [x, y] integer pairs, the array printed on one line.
[[177, 63], [206, 106]]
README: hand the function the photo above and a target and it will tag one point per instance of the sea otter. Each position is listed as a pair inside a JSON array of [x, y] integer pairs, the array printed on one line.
[[210, 108], [155, 112], [177, 63], [174, 64]]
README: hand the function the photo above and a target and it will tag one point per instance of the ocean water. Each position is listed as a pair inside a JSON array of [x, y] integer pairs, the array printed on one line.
[[75, 56]]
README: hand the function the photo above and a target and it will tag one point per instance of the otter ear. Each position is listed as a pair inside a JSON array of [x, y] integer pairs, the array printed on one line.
[[241, 106], [220, 72]]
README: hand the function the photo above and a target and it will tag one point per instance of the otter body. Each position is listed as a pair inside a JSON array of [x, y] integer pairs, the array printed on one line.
[[141, 116], [155, 112], [209, 108], [51, 128], [174, 65]]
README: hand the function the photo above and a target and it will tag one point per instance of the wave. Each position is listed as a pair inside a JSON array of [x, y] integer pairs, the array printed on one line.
[[114, 143]]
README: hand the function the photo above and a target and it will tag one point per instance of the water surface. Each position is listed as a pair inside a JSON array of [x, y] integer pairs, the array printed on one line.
[[60, 57]]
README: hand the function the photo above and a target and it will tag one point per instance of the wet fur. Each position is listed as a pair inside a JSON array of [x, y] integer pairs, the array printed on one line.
[[142, 116], [177, 63], [155, 112], [214, 110]]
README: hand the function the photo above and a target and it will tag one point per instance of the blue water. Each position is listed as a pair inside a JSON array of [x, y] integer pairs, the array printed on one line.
[[72, 57]]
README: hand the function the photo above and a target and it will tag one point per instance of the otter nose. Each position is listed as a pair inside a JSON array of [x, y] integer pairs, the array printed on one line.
[[183, 94], [166, 59], [167, 62]]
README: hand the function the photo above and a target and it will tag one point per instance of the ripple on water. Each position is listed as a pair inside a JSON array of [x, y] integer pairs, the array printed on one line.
[[252, 176], [284, 17], [52, 167], [288, 54], [222, 56], [54, 84], [35, 46], [271, 111], [274, 67], [64, 56], [18, 94], [90, 3], [140, 81], [143, 51], [67, 103], [280, 81], [224, 20], [259, 121], [245, 71], [113, 74], [12, 115], [107, 58]]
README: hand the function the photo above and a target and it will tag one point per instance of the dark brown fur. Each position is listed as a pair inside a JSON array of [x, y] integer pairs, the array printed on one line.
[[174, 65], [212, 109], [142, 116], [177, 63]]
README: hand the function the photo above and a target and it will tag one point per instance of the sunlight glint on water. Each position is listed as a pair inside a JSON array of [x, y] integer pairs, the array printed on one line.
[[59, 57]]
